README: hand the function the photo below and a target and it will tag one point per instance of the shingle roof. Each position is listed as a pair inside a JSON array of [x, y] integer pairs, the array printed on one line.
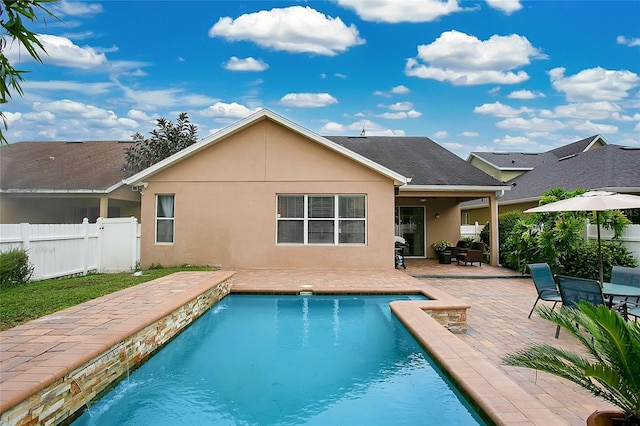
[[574, 148], [611, 166], [514, 160], [530, 160], [419, 158], [62, 166]]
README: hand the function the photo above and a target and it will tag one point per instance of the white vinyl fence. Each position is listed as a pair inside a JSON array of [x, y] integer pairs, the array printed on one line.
[[471, 231], [57, 250], [630, 237]]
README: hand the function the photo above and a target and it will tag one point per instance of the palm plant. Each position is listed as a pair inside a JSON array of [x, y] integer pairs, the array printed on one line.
[[612, 368]]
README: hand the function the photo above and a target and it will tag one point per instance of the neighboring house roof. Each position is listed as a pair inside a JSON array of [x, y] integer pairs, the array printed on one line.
[[62, 167], [529, 160], [577, 147], [419, 158], [411, 162], [512, 160], [611, 167]]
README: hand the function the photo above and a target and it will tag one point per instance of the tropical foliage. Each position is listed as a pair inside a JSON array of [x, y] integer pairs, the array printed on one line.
[[612, 368], [556, 237], [166, 140], [13, 13], [506, 222]]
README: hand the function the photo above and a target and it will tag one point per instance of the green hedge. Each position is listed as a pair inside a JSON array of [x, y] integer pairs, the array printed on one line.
[[14, 267], [584, 263]]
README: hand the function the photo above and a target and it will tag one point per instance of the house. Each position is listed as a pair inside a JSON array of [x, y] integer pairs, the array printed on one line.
[[268, 193], [588, 164], [506, 166], [64, 182]]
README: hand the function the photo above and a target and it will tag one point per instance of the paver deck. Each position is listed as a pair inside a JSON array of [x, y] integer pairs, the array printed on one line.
[[500, 301]]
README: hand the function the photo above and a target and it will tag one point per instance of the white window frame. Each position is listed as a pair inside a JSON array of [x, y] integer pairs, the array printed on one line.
[[172, 219], [336, 219]]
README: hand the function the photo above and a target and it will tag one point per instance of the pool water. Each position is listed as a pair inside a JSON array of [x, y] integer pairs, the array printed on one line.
[[288, 360]]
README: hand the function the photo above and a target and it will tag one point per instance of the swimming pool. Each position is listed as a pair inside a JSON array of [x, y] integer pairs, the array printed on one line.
[[267, 360]]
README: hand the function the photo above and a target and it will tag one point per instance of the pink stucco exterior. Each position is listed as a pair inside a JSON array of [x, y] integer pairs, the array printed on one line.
[[225, 203]]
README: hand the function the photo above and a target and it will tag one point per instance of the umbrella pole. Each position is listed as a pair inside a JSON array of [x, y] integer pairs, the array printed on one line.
[[599, 248]]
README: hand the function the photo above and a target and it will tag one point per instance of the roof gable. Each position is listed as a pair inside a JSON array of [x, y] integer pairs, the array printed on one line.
[[577, 147], [263, 114]]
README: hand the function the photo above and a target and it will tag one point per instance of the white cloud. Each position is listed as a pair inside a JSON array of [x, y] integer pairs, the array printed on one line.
[[441, 134], [536, 124], [525, 94], [60, 51], [631, 42], [138, 115], [399, 115], [515, 143], [293, 29], [594, 84], [247, 64], [592, 128], [463, 59], [77, 8], [500, 110], [401, 106], [505, 6], [68, 86], [78, 110], [397, 90], [470, 134], [394, 11], [228, 111], [340, 75], [355, 128], [308, 100], [587, 110]]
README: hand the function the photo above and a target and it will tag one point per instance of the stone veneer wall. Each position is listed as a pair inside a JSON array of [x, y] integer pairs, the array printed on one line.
[[59, 402], [453, 319]]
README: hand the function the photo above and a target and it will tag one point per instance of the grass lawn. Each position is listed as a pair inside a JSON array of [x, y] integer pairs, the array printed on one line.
[[33, 300]]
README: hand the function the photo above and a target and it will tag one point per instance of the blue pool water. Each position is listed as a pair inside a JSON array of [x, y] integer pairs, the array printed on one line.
[[288, 360]]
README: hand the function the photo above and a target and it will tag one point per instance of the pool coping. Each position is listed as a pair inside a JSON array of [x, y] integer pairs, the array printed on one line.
[[499, 397], [53, 366]]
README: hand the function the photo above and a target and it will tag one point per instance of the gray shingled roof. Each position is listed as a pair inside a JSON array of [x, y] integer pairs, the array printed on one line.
[[515, 160], [61, 166], [574, 148], [610, 166], [529, 160], [419, 158]]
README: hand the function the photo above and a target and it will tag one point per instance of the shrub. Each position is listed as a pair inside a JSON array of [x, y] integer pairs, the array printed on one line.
[[14, 267], [441, 246], [584, 262], [506, 223]]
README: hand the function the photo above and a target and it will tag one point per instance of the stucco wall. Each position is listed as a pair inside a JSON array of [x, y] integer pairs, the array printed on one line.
[[225, 204]]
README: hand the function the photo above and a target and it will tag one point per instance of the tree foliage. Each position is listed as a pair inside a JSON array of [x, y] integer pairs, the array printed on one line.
[[166, 140], [556, 237], [12, 15]]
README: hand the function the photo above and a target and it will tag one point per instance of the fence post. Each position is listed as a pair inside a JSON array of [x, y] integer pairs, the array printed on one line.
[[477, 232], [25, 234], [85, 245], [133, 229], [99, 242]]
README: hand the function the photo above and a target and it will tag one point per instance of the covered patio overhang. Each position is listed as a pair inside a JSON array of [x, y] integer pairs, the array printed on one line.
[[442, 211]]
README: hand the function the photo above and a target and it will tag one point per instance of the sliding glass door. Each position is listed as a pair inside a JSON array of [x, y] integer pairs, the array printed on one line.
[[410, 226]]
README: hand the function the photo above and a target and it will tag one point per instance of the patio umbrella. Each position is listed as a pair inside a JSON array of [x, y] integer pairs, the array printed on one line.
[[597, 201]]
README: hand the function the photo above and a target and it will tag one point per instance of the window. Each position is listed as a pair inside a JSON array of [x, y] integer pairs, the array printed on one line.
[[164, 218], [321, 219]]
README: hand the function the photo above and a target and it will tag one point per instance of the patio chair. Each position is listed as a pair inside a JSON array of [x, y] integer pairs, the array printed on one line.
[[473, 254], [462, 244], [625, 275], [574, 290], [545, 284]]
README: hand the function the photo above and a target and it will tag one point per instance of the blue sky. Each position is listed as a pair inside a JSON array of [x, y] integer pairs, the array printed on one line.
[[494, 75]]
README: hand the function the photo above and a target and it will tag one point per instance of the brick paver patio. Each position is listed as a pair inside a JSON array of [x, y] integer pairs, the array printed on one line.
[[500, 301]]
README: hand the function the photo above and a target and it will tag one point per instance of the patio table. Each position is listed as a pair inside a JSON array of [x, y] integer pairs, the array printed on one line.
[[611, 290]]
